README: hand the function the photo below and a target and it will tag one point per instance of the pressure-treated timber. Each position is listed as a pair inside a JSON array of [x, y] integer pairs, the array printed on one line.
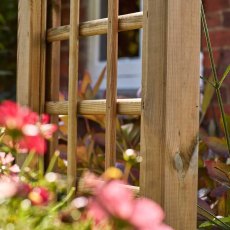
[[170, 108], [90, 107], [111, 84], [30, 55], [72, 92], [52, 69], [43, 55], [97, 27]]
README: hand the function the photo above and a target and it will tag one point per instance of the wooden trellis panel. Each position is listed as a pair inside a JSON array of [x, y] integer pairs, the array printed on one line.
[[170, 90]]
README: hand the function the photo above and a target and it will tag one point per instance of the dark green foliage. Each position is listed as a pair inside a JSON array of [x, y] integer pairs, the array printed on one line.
[[8, 48]]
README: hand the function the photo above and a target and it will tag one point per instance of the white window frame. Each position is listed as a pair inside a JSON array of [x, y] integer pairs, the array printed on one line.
[[129, 69]]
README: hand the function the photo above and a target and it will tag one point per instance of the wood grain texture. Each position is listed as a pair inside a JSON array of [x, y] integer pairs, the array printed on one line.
[[90, 107], [43, 55], [29, 57], [170, 108], [72, 92], [53, 71], [97, 27], [29, 53], [111, 84]]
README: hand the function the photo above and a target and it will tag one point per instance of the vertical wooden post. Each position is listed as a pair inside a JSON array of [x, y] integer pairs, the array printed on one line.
[[30, 55], [29, 52], [170, 108], [111, 89], [53, 68], [72, 94]]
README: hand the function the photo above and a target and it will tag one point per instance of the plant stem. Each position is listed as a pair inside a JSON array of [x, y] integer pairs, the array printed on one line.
[[53, 161], [66, 199], [128, 167], [28, 160], [217, 83], [41, 166]]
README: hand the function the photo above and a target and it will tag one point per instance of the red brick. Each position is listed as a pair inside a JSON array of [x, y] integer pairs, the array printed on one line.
[[219, 38], [226, 19], [222, 60], [213, 20], [215, 5], [224, 95], [214, 112], [206, 61]]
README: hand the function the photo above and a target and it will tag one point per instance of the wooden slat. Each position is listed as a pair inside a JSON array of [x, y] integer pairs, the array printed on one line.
[[29, 56], [43, 54], [72, 92], [29, 51], [170, 108], [53, 70], [111, 84], [90, 107], [97, 27]]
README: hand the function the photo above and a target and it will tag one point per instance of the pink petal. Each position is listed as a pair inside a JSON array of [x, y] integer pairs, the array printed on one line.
[[15, 168], [8, 159], [146, 213]]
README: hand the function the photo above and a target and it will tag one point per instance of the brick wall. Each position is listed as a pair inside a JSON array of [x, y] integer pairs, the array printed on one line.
[[218, 19]]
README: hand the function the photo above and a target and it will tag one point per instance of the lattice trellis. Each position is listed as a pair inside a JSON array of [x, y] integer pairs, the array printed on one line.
[[170, 86]]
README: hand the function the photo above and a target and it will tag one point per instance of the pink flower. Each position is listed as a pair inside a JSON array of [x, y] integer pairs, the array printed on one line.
[[6, 166], [8, 188], [89, 183], [96, 212], [147, 215], [116, 199], [35, 136], [33, 143], [25, 127], [39, 196], [14, 117]]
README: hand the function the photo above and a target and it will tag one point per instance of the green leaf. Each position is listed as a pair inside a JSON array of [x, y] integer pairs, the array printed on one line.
[[208, 224], [224, 75], [227, 118], [209, 91], [212, 219], [99, 81]]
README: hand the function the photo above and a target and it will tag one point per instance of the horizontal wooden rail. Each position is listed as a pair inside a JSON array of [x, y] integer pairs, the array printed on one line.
[[96, 27], [90, 107]]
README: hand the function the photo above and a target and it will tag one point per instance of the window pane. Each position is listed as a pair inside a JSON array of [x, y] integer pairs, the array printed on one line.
[[128, 41]]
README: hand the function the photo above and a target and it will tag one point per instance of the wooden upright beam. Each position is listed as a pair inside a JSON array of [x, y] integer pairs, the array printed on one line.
[[29, 55], [170, 108], [72, 93], [111, 87], [53, 69]]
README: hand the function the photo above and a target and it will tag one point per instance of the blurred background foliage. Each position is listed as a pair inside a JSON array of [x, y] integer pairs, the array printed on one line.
[[8, 48]]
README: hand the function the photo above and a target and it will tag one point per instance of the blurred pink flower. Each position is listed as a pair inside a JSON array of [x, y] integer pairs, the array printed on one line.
[[39, 196], [116, 199], [14, 117], [89, 183], [6, 166], [26, 127], [113, 199], [35, 136], [147, 215], [8, 187], [96, 212], [33, 143]]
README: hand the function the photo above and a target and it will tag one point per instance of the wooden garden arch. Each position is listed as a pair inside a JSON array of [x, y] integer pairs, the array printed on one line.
[[169, 107]]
